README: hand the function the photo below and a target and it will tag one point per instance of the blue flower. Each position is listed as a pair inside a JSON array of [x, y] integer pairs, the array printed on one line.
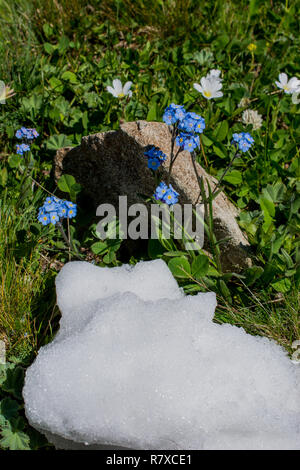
[[25, 133], [173, 113], [22, 148], [70, 204], [160, 191], [62, 210], [53, 217], [169, 117], [244, 140], [192, 123], [187, 141], [249, 138], [166, 194], [72, 213], [44, 217], [55, 209], [153, 163], [155, 157], [50, 204], [171, 197], [32, 134], [179, 111], [19, 134]]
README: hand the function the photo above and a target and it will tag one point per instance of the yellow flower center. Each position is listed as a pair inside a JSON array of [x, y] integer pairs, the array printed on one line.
[[121, 95], [252, 47], [207, 94], [286, 88]]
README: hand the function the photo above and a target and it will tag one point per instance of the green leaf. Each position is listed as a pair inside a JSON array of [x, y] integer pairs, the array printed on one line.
[[180, 267], [8, 408], [253, 8], [109, 257], [49, 48], [63, 44], [219, 152], [67, 184], [3, 176], [253, 273], [206, 141], [284, 285], [267, 205], [13, 437], [234, 177], [152, 113], [69, 77], [56, 142], [85, 120], [48, 30], [13, 382], [200, 266], [99, 248], [221, 131], [56, 84], [173, 254]]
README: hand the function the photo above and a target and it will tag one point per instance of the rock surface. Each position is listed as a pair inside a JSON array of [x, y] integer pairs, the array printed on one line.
[[109, 164]]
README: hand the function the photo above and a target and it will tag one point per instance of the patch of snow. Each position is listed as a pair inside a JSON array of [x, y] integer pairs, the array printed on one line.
[[137, 364]]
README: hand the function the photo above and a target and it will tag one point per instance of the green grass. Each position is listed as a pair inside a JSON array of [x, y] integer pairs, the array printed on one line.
[[59, 56], [25, 275]]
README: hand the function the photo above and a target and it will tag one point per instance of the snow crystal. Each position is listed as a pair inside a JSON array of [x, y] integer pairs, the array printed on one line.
[[137, 364]]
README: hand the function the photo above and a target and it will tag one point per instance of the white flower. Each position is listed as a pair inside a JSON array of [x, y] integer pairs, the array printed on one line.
[[250, 116], [5, 92], [118, 90], [295, 97], [288, 86], [209, 87], [214, 73]]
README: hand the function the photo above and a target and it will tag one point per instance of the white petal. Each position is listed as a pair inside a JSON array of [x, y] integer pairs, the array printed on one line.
[[279, 84], [204, 82], [117, 84], [127, 87], [283, 78], [294, 83], [112, 91], [218, 94], [217, 85], [197, 87], [215, 73]]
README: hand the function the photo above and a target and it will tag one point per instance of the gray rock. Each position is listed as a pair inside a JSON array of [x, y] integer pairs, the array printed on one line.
[[109, 164]]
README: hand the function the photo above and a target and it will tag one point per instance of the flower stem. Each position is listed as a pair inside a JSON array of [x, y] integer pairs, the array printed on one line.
[[225, 172], [67, 240]]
